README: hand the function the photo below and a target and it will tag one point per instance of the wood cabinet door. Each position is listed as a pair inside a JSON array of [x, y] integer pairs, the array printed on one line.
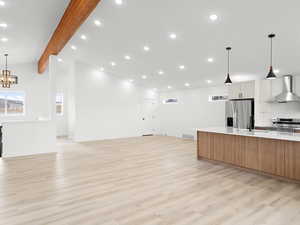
[[218, 147], [265, 91], [239, 150], [292, 160], [251, 153], [267, 155], [229, 149], [248, 89], [234, 91], [271, 156], [205, 145]]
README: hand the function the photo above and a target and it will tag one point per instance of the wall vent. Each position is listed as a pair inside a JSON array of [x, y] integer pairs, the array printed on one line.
[[217, 98], [170, 101]]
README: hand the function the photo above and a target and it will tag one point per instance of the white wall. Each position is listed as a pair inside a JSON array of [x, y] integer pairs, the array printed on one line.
[[28, 134], [265, 109], [63, 74], [28, 138], [192, 111], [105, 107], [36, 88], [71, 102]]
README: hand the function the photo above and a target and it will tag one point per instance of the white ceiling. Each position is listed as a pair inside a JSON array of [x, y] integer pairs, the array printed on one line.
[[244, 25], [30, 24]]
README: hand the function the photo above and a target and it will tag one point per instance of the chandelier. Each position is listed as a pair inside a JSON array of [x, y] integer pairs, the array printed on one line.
[[6, 78]]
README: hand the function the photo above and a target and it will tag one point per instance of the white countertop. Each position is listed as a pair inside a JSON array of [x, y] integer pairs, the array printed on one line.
[[255, 133]]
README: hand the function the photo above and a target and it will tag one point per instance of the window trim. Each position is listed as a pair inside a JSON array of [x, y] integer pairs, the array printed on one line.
[[13, 114]]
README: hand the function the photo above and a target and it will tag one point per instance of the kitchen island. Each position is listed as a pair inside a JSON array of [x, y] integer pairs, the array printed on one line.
[[269, 152]]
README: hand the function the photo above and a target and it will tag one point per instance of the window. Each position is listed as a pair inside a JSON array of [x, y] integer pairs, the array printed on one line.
[[59, 104], [12, 103]]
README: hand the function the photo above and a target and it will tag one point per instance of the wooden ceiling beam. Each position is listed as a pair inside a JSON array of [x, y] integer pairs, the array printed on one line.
[[76, 13]]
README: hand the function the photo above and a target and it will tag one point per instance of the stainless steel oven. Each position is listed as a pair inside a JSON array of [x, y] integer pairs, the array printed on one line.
[[286, 124]]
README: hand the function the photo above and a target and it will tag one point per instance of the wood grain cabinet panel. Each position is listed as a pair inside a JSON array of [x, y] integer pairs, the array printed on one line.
[[229, 156], [205, 145], [292, 160], [280, 157], [267, 155], [251, 153], [271, 156], [276, 157], [218, 147], [239, 147]]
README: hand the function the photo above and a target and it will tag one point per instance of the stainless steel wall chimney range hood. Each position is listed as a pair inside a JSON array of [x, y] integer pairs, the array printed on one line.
[[287, 94]]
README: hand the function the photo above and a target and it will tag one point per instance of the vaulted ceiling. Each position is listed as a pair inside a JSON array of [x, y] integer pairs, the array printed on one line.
[[128, 27], [30, 24]]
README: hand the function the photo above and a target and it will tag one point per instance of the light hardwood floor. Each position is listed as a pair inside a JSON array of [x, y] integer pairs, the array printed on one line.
[[139, 181]]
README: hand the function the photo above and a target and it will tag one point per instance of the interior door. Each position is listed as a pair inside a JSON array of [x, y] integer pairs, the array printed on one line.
[[148, 117]]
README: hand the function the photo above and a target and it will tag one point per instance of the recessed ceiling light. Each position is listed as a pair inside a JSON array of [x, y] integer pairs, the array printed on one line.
[[102, 69], [127, 57], [131, 80], [276, 71], [161, 72], [3, 25], [83, 37], [59, 60], [97, 23], [113, 63], [73, 47], [4, 39], [173, 36], [210, 60], [169, 87], [119, 2], [144, 77], [209, 81], [187, 84], [213, 17], [146, 48], [2, 3], [181, 67]]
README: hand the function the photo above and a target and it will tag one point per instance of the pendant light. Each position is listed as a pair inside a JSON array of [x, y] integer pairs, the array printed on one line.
[[228, 80], [6, 79], [271, 75]]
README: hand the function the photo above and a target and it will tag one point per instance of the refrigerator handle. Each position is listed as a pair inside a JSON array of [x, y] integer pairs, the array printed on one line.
[[235, 115]]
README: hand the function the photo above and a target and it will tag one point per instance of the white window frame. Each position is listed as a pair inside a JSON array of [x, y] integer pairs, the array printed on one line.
[[5, 109]]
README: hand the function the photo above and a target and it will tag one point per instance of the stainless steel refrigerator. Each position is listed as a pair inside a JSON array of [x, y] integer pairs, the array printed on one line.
[[239, 113]]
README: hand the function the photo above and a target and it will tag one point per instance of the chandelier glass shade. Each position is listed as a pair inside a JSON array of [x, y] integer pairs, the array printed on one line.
[[6, 78]]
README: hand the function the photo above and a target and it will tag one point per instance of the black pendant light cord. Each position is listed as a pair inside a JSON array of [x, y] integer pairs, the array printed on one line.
[[228, 64], [228, 80], [228, 59], [271, 74], [271, 56], [271, 36], [6, 61]]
